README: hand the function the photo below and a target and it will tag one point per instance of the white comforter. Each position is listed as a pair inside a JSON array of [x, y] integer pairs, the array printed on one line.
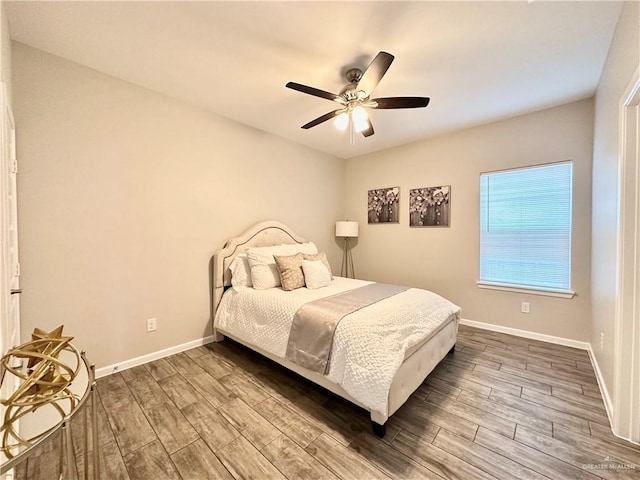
[[369, 345]]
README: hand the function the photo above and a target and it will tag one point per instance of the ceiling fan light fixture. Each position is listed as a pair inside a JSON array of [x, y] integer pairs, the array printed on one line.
[[341, 122], [360, 119]]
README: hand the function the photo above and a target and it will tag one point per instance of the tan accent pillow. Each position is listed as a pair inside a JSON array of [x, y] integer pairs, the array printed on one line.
[[319, 256], [290, 269]]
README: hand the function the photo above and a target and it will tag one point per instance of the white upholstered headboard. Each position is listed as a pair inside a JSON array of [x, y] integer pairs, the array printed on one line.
[[259, 235]]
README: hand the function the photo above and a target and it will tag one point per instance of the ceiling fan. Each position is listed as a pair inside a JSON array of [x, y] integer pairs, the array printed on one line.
[[355, 97]]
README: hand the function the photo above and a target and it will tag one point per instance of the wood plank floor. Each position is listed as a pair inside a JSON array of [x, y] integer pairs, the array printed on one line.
[[500, 407]]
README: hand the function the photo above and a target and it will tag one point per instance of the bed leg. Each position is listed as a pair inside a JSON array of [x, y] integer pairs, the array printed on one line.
[[452, 351], [217, 336], [379, 430]]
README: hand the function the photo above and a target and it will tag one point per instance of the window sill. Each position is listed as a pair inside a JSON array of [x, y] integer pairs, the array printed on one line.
[[547, 292]]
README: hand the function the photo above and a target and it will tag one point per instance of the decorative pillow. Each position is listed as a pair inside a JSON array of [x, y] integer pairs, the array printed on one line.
[[241, 272], [316, 274], [290, 269], [322, 257], [264, 272]]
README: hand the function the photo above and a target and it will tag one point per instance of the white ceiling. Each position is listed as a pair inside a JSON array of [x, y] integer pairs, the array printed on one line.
[[477, 61]]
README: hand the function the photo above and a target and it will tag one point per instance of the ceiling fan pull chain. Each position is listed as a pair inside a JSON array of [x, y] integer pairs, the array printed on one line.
[[352, 130]]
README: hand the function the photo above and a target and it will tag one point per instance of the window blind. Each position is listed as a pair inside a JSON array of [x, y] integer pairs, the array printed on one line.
[[525, 226]]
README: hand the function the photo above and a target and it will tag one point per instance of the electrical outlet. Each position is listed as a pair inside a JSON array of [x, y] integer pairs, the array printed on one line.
[[151, 324], [601, 340], [524, 307]]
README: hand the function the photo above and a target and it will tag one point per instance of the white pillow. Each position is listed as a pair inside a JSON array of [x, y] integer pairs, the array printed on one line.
[[264, 272], [241, 272], [316, 274], [293, 248]]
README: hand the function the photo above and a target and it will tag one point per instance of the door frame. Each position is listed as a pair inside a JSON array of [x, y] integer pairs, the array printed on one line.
[[9, 265], [626, 380]]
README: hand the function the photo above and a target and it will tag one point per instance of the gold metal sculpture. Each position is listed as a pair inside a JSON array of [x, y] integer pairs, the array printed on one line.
[[44, 381]]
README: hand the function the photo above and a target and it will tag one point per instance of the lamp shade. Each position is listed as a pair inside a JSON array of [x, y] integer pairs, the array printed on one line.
[[347, 229]]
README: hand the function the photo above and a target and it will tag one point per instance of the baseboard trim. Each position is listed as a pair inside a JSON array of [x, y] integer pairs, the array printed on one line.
[[134, 362], [567, 342], [608, 403]]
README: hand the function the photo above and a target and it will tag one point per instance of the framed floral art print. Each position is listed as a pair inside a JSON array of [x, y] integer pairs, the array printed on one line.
[[383, 205], [430, 206]]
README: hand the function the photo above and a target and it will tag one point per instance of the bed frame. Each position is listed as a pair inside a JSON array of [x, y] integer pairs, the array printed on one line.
[[413, 370]]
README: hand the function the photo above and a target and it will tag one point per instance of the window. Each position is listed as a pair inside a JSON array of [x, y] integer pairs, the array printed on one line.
[[525, 228]]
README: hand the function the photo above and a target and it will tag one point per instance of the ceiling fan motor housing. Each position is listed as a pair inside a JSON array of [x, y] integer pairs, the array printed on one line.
[[349, 91], [353, 75]]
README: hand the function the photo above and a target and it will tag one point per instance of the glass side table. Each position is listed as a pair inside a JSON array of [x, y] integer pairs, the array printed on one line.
[[28, 423]]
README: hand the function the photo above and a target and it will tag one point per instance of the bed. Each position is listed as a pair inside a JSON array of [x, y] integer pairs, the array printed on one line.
[[379, 378]]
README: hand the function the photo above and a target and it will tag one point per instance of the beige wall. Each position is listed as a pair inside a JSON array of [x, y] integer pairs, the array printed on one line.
[[446, 259], [622, 61], [125, 194]]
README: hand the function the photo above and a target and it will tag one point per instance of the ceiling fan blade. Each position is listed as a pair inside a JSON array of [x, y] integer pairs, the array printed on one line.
[[367, 132], [374, 72], [323, 118], [401, 102], [314, 91]]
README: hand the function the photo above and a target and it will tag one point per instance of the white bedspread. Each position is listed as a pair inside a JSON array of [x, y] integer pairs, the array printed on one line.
[[369, 345]]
